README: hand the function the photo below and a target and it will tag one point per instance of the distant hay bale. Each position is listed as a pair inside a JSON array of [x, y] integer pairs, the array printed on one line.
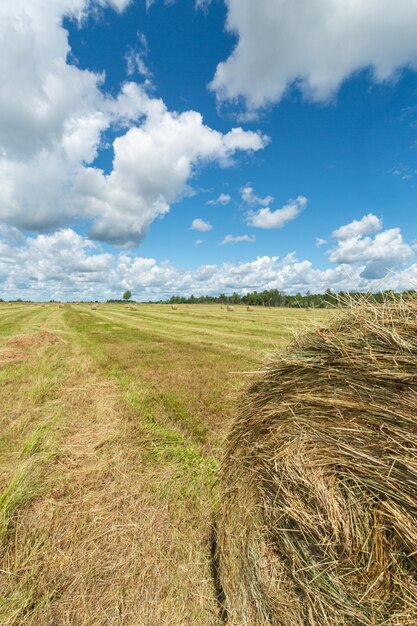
[[60, 306], [174, 307], [94, 308], [317, 522], [222, 307], [249, 308], [230, 308]]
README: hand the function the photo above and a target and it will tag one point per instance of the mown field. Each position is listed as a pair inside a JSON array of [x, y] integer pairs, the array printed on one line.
[[111, 425]]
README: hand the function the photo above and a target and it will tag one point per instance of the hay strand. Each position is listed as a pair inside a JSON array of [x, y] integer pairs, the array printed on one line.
[[318, 484]]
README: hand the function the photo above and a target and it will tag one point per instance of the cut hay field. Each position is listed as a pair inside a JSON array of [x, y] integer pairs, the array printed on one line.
[[111, 426]]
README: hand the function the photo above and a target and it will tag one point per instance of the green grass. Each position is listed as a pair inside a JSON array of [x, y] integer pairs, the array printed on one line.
[[109, 450]]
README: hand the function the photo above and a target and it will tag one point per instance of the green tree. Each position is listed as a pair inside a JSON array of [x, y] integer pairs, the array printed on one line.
[[127, 295]]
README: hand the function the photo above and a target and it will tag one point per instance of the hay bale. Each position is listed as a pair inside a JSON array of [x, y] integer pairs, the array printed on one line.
[[60, 306], [230, 308], [317, 522], [249, 308], [94, 308], [222, 307], [174, 307]]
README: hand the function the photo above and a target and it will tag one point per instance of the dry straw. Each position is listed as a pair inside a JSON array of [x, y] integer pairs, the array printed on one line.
[[230, 308], [249, 308], [318, 485], [174, 307]]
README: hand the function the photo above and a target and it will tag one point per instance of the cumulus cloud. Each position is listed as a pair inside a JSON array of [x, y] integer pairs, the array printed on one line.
[[151, 167], [265, 218], [368, 225], [201, 225], [223, 199], [320, 242], [375, 255], [237, 239], [249, 197], [314, 45], [66, 266], [63, 261], [52, 119]]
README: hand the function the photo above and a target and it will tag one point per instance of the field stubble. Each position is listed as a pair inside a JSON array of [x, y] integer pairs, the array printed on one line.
[[112, 421]]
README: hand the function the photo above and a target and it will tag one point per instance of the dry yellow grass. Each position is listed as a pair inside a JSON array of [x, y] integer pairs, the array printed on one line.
[[111, 428], [317, 518]]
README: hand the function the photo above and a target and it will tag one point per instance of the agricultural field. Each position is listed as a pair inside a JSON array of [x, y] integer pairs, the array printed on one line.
[[112, 422]]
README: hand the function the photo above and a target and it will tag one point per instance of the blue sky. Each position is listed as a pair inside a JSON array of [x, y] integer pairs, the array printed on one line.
[[179, 147]]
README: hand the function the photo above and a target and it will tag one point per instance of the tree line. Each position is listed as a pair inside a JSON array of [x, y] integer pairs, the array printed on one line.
[[276, 298]]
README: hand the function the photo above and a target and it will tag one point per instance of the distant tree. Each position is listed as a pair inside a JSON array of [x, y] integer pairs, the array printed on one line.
[[127, 295]]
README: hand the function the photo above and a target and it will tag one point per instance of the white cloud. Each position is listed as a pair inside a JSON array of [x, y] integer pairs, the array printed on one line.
[[66, 266], [249, 197], [368, 225], [198, 242], [320, 242], [168, 147], [375, 255], [223, 199], [265, 218], [135, 58], [237, 239], [201, 225], [64, 260], [313, 44], [202, 4], [52, 117]]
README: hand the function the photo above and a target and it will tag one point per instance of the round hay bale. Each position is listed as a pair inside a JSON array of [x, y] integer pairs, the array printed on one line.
[[317, 521], [174, 307], [94, 308], [249, 308], [222, 307], [230, 308]]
